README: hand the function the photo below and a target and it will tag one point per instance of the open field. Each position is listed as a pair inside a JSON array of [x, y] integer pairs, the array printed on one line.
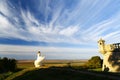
[[57, 74], [58, 70], [51, 63]]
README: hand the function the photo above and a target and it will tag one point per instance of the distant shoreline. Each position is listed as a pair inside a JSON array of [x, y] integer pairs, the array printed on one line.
[[55, 61]]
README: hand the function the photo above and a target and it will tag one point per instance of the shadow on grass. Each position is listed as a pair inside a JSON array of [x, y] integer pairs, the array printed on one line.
[[59, 73]]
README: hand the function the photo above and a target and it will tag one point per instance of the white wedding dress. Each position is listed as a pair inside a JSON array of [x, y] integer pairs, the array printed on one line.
[[39, 59]]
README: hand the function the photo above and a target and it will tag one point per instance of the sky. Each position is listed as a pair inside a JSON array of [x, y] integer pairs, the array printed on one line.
[[60, 29]]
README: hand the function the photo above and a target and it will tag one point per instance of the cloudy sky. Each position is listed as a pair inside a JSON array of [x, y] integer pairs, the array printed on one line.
[[60, 29]]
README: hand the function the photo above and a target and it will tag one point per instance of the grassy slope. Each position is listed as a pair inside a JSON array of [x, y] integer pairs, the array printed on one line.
[[30, 73], [29, 65], [55, 74], [4, 75], [19, 73]]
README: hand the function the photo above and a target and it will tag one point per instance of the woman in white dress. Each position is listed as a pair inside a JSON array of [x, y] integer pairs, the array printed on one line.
[[39, 59]]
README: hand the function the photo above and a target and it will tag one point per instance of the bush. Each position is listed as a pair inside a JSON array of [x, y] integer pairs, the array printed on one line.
[[94, 62], [7, 65]]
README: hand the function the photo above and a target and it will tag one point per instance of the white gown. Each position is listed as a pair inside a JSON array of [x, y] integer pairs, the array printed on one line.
[[38, 61]]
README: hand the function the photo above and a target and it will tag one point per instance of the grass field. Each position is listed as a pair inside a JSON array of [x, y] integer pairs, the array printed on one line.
[[55, 70], [56, 74], [51, 63]]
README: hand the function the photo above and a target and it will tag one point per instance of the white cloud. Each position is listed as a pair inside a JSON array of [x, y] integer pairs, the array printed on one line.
[[81, 23], [65, 25], [44, 49], [69, 31], [49, 52], [4, 8]]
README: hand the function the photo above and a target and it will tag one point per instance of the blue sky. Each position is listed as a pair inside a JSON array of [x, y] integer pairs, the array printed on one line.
[[60, 29]]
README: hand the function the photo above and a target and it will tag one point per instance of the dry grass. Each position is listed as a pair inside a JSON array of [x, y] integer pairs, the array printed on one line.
[[28, 65], [63, 73], [51, 63]]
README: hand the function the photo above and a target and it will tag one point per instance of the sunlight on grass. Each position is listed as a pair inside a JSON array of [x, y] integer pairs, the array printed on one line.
[[62, 73], [98, 69], [16, 74], [54, 71]]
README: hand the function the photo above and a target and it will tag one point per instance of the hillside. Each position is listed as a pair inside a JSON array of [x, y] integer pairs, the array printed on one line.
[[51, 71], [57, 73]]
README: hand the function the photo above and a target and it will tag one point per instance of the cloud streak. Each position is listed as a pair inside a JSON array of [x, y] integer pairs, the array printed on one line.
[[49, 52], [79, 23], [73, 23]]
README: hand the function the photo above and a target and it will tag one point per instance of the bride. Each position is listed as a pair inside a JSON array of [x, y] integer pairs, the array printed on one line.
[[39, 59]]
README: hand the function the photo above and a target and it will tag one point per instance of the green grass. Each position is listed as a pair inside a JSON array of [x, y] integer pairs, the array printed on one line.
[[19, 73], [98, 69], [22, 68], [54, 74], [28, 72], [4, 75]]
